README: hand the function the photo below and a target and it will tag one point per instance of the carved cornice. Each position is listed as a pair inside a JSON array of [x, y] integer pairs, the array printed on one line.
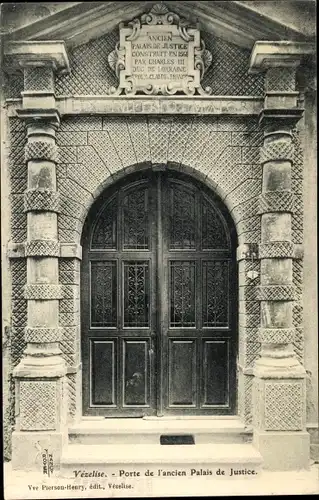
[[32, 115], [278, 54], [239, 23], [26, 54]]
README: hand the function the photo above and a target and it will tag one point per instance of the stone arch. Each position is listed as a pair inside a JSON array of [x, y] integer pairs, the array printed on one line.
[[223, 152]]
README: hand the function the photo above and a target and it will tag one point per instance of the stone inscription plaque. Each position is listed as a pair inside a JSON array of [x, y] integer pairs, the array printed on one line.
[[159, 54]]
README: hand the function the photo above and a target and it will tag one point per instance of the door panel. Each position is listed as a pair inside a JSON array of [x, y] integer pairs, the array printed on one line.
[[182, 373], [103, 372], [215, 372], [182, 294], [198, 320], [159, 316], [136, 376]]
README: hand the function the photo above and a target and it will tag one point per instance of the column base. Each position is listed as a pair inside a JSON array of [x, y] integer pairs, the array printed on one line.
[[28, 449], [283, 451]]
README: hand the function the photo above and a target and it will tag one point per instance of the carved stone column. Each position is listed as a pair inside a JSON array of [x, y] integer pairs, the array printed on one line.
[[279, 392], [41, 374]]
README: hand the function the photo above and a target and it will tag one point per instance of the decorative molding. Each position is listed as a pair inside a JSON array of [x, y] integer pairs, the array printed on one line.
[[276, 249], [140, 105], [43, 291], [289, 115], [276, 201], [36, 53], [281, 53], [42, 334], [38, 115], [39, 150], [277, 150], [22, 250], [276, 292], [42, 248], [179, 50], [41, 200], [276, 335]]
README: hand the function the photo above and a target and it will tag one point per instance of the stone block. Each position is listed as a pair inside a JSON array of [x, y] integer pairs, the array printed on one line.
[[41, 175], [276, 271], [276, 314], [277, 176], [283, 451], [28, 449], [275, 227]]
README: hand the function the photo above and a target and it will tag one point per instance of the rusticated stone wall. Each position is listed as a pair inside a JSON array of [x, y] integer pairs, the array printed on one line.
[[93, 151], [227, 74]]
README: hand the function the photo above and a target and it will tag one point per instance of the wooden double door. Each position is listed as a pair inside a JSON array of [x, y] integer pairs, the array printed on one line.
[[158, 301]]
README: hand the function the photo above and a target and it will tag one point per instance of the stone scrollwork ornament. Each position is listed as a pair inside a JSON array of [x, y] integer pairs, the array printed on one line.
[[159, 54]]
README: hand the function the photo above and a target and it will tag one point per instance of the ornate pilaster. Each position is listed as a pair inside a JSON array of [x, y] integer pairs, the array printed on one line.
[[279, 390], [41, 374]]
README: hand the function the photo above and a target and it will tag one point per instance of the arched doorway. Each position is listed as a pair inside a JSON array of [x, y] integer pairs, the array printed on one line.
[[159, 313]]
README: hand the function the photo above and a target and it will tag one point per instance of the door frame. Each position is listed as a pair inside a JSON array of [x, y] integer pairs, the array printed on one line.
[[160, 297]]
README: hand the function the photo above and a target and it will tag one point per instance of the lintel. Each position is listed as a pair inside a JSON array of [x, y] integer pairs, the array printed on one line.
[[153, 105]]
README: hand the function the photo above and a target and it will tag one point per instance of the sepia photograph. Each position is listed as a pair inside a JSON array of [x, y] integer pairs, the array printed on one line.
[[159, 249]]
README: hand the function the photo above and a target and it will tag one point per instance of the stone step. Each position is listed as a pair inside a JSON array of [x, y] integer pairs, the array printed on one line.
[[125, 461], [149, 430]]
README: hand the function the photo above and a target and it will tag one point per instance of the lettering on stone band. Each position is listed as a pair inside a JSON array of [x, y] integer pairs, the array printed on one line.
[[160, 53]]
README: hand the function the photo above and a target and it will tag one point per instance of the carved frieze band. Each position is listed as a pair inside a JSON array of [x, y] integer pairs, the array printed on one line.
[[276, 292], [39, 150], [276, 335], [42, 248], [43, 334], [43, 291], [278, 150], [41, 200], [276, 249], [276, 201]]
